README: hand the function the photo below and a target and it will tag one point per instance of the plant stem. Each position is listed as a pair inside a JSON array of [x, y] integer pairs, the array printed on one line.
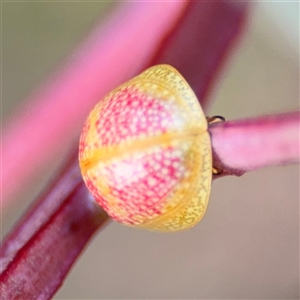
[[38, 253]]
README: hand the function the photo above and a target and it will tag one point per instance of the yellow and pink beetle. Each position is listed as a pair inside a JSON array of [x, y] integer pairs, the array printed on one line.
[[145, 152]]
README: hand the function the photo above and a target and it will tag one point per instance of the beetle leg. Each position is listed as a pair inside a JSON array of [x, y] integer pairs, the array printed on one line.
[[212, 120], [215, 119]]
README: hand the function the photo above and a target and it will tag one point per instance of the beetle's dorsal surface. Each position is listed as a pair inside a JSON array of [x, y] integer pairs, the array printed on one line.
[[145, 152]]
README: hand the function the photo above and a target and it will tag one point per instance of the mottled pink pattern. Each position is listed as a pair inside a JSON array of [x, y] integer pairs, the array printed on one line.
[[130, 113], [147, 154], [139, 183], [132, 152]]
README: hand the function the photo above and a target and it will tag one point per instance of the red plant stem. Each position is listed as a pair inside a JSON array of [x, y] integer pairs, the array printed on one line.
[[207, 33], [245, 145], [39, 252]]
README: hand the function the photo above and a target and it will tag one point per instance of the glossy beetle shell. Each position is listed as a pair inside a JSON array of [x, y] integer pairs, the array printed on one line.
[[145, 152]]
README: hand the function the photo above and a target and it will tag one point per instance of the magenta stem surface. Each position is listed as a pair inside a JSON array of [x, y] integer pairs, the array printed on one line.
[[245, 145]]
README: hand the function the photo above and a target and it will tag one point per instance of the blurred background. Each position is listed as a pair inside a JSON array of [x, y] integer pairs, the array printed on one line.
[[247, 246]]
